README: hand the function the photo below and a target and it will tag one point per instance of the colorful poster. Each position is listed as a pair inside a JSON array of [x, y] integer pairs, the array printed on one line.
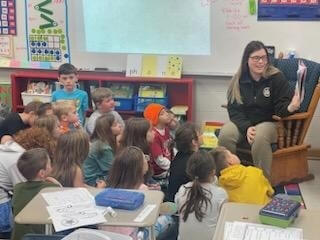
[[47, 31], [8, 17], [289, 10], [6, 48]]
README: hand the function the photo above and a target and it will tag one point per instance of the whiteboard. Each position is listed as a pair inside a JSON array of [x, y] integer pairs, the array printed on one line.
[[231, 29]]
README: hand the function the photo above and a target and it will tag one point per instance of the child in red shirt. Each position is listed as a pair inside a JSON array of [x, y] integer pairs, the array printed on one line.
[[160, 152]]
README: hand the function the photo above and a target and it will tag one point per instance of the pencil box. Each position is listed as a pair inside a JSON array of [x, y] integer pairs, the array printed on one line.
[[120, 199], [279, 212]]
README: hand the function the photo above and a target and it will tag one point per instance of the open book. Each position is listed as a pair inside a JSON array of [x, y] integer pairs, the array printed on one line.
[[301, 79]]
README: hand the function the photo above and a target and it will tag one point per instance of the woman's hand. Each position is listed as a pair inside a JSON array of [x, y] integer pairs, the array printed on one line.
[[295, 102], [251, 133]]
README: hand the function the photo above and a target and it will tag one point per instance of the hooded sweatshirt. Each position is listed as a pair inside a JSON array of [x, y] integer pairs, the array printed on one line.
[[9, 173], [246, 184]]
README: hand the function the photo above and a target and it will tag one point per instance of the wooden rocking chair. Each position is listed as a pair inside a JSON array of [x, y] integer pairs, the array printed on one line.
[[289, 162]]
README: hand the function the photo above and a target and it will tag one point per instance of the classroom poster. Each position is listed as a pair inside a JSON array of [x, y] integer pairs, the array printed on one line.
[[286, 10], [8, 17], [6, 46], [47, 31]]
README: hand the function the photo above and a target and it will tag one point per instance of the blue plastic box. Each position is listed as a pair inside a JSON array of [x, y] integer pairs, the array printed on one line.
[[120, 199], [142, 102], [123, 104]]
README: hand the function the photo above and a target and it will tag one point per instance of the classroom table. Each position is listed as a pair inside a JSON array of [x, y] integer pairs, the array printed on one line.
[[35, 211], [307, 219]]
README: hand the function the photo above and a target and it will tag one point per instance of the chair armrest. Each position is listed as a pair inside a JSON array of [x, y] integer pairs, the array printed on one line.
[[296, 116]]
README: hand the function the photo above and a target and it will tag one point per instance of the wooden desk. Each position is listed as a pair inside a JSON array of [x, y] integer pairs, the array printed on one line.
[[35, 211], [307, 220]]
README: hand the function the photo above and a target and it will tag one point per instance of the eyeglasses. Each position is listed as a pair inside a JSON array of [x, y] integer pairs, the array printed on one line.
[[258, 58]]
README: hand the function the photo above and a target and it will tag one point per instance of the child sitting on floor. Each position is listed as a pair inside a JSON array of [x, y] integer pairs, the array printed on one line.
[[67, 116], [35, 166], [243, 184], [161, 153]]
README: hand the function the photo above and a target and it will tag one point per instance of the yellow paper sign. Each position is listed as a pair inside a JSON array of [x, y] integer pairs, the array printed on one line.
[[149, 66], [174, 67]]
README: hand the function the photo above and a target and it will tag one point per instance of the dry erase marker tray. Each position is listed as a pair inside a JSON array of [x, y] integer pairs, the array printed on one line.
[[279, 212]]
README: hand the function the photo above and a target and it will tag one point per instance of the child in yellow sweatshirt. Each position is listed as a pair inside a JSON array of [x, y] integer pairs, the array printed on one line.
[[243, 184]]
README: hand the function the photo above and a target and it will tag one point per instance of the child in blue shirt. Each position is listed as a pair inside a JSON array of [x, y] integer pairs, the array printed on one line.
[[68, 76]]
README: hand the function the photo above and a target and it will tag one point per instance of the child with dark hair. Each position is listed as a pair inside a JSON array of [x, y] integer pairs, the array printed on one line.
[[45, 109], [14, 122], [243, 184], [68, 77], [102, 149], [199, 201], [188, 140], [35, 166]]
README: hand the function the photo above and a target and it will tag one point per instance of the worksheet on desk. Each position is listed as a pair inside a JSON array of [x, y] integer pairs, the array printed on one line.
[[69, 197], [251, 231], [72, 208]]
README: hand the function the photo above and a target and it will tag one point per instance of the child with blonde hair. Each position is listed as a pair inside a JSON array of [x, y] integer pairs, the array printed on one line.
[[102, 149], [67, 115], [243, 184]]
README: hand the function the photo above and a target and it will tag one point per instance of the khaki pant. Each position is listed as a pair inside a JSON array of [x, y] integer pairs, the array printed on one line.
[[266, 134]]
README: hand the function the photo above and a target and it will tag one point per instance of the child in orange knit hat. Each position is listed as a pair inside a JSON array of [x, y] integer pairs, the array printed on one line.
[[160, 152]]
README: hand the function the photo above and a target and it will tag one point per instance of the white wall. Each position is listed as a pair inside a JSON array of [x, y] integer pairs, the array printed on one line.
[[210, 93]]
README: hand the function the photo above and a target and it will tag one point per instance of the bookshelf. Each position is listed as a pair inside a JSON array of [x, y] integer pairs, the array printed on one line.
[[179, 91]]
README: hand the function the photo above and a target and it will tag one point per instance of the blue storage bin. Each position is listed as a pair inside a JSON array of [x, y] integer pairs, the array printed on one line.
[[123, 104], [141, 103]]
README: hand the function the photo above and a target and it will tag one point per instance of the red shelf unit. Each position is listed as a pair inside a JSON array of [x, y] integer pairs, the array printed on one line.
[[180, 91]]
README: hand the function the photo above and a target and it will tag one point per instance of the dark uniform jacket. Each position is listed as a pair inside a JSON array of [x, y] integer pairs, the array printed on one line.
[[261, 99]]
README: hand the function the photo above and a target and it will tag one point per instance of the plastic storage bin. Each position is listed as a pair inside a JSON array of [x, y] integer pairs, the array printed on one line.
[[123, 104], [30, 97], [142, 102]]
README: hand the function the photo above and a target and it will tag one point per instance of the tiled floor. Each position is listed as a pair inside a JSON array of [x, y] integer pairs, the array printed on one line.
[[311, 190]]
